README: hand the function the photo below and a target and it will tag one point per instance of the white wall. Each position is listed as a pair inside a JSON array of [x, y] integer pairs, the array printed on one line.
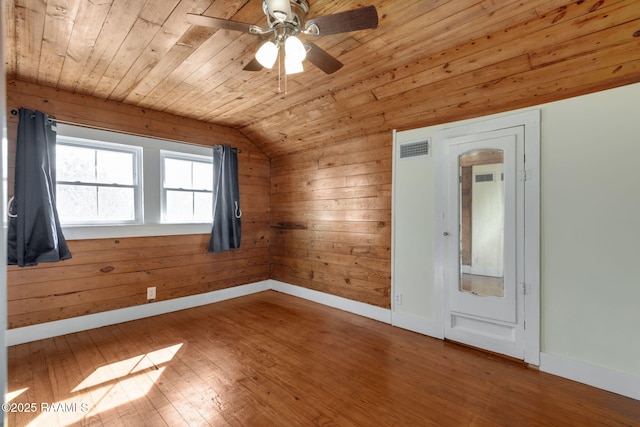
[[590, 205], [590, 235]]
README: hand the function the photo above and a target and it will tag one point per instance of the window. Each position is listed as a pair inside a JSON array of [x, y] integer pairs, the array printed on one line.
[[112, 185], [97, 183], [187, 187]]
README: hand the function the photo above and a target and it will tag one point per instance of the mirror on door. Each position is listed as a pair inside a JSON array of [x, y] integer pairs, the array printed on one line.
[[482, 210]]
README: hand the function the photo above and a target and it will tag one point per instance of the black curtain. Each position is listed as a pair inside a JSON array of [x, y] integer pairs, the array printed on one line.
[[227, 228], [34, 233]]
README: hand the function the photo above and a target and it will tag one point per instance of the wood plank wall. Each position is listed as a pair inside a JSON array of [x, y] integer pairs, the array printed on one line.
[[107, 274], [331, 213]]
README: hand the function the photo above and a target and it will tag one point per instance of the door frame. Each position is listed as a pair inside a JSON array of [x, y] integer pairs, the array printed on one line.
[[531, 287]]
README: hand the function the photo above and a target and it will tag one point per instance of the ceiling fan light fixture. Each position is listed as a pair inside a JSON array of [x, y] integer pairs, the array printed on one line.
[[279, 9], [292, 66], [267, 54], [294, 49]]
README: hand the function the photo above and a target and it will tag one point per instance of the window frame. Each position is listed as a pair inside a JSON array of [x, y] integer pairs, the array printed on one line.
[[194, 158], [137, 186]]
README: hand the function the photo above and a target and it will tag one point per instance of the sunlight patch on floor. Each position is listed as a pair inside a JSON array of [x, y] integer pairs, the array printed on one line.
[[127, 367], [106, 389], [91, 403], [13, 394]]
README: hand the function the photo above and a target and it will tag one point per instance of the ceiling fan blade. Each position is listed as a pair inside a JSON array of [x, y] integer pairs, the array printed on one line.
[[322, 59], [352, 20], [225, 24], [253, 65]]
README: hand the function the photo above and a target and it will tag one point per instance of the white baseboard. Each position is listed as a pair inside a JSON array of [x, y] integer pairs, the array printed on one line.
[[596, 376], [417, 324], [366, 310], [97, 320]]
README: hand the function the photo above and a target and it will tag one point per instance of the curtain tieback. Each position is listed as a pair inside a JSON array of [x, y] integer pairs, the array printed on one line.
[[238, 212], [9, 206]]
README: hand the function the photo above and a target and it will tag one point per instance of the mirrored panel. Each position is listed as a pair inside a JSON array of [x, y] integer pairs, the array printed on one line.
[[482, 211]]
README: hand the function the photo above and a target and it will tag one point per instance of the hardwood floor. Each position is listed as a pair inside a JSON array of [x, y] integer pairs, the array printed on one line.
[[274, 360]]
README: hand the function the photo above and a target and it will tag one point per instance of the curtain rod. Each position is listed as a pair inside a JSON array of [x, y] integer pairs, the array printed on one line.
[[64, 122], [14, 112]]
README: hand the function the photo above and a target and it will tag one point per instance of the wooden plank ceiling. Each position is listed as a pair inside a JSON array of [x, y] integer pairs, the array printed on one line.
[[427, 62]]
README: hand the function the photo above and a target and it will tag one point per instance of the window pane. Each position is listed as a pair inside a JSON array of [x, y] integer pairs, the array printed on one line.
[[76, 203], [116, 204], [177, 173], [115, 167], [203, 176], [179, 206], [203, 207], [75, 163], [97, 182]]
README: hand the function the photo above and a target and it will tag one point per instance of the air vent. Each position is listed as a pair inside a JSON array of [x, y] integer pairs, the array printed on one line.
[[415, 149], [484, 177]]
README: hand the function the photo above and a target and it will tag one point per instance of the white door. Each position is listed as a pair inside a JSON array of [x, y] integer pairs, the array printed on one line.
[[483, 247]]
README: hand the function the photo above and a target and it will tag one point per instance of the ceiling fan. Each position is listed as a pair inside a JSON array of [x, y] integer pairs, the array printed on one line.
[[285, 19]]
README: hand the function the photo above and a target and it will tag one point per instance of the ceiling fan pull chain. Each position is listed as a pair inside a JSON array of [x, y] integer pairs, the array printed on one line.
[[279, 72]]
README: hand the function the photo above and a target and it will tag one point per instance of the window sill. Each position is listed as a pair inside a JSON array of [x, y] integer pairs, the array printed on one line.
[[122, 231]]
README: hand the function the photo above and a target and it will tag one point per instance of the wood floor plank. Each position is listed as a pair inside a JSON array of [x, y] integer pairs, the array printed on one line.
[[70, 374], [180, 384], [21, 383], [271, 359], [155, 362], [349, 377], [223, 367], [90, 360], [49, 366], [121, 393]]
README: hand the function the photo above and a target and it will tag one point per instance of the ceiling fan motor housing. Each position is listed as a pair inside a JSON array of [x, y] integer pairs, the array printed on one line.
[[285, 11]]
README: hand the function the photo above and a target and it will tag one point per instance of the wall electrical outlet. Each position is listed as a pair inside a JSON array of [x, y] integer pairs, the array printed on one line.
[[151, 292], [398, 298]]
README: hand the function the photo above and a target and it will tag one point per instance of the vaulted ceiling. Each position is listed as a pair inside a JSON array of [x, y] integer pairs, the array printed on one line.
[[427, 62]]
